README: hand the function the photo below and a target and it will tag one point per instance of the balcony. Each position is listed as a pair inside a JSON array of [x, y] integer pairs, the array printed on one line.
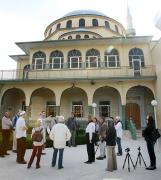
[[66, 72]]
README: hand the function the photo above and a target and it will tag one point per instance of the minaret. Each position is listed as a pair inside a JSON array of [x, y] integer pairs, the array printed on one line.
[[130, 30]]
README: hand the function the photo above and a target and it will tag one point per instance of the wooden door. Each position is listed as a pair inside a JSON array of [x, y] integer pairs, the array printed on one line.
[[133, 110]]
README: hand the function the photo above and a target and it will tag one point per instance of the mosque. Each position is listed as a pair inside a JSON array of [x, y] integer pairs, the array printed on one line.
[[88, 63]]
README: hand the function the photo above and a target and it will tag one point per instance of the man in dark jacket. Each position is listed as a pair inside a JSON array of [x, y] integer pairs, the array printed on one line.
[[72, 126]]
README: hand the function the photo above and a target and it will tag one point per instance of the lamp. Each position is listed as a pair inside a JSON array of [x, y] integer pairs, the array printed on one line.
[[94, 105], [154, 103]]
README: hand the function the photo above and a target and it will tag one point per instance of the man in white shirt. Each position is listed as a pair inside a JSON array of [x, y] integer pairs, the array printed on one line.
[[119, 131], [21, 138]]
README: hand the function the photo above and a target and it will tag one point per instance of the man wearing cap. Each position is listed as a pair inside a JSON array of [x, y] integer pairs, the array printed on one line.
[[21, 137], [119, 132], [59, 135]]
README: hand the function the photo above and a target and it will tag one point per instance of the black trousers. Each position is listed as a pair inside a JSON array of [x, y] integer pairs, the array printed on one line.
[[21, 149], [90, 149], [150, 147], [5, 139]]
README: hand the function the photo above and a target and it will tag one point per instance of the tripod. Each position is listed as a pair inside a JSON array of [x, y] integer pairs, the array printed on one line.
[[128, 158], [139, 158]]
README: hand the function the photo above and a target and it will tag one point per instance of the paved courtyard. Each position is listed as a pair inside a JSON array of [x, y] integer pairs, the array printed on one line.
[[75, 169]]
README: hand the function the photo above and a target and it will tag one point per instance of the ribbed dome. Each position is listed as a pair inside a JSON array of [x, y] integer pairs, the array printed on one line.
[[84, 12]]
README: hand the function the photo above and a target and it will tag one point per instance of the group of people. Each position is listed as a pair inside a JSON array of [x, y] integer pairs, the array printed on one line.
[[107, 133], [104, 133]]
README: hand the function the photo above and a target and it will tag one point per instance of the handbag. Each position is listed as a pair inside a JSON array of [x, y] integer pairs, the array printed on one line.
[[155, 135]]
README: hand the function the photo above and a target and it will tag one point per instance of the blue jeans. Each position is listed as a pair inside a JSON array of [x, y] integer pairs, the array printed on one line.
[[119, 145], [60, 157]]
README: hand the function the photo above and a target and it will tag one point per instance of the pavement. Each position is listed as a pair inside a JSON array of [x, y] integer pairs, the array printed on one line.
[[76, 169]]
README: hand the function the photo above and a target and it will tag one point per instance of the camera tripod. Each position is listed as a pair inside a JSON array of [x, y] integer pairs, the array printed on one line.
[[128, 158], [139, 158]]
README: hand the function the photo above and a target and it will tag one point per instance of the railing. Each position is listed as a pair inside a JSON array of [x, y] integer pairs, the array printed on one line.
[[67, 71]]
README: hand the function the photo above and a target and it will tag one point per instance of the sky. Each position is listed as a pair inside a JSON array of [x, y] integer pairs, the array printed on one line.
[[26, 20]]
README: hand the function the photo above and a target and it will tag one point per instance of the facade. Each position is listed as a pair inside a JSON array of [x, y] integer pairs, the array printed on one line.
[[85, 57]]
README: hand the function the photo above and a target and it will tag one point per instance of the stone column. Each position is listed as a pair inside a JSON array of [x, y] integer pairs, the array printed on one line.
[[28, 112], [57, 110], [90, 110], [123, 118]]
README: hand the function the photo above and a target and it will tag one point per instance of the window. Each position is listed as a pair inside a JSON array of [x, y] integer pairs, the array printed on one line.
[[69, 37], [81, 23], [92, 58], [86, 36], [77, 108], [69, 24], [74, 59], [104, 108], [116, 28], [38, 60], [58, 26], [78, 36], [50, 108], [94, 22], [107, 24], [56, 60], [136, 54], [50, 31], [112, 58]]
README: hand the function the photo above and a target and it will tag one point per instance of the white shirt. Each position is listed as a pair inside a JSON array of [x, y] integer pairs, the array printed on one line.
[[90, 129], [19, 128], [119, 130]]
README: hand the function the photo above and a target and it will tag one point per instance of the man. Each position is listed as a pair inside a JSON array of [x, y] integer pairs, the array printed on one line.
[[14, 121], [6, 130], [21, 137], [72, 125], [119, 131], [102, 135], [59, 134]]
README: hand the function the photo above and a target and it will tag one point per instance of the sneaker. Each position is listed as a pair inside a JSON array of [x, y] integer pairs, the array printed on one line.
[[100, 158], [151, 168], [61, 167], [28, 166], [88, 162], [14, 151], [6, 153], [37, 166]]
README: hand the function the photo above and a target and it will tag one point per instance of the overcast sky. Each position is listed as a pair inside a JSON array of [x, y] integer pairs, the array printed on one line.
[[26, 20]]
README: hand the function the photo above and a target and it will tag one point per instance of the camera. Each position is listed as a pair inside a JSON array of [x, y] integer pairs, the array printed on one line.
[[139, 148], [127, 149]]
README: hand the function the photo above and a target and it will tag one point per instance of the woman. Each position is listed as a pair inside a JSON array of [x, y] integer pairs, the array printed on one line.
[[111, 143], [150, 143], [90, 136]]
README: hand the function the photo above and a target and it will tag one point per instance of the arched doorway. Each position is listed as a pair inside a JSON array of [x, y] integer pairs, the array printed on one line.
[[133, 111], [74, 100], [108, 102], [42, 99], [138, 105], [13, 100]]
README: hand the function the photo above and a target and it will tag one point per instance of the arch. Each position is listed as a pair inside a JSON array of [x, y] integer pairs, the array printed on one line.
[[94, 22], [138, 99], [108, 100], [116, 29], [69, 24], [74, 59], [69, 37], [92, 58], [82, 22], [107, 24], [56, 60], [111, 58], [86, 36], [58, 26], [136, 53], [74, 99], [42, 99], [13, 99], [38, 60], [78, 36]]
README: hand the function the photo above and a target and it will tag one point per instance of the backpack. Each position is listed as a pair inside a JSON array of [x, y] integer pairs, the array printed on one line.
[[37, 136], [155, 135]]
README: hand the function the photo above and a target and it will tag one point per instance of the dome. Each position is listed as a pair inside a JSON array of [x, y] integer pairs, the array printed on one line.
[[84, 12]]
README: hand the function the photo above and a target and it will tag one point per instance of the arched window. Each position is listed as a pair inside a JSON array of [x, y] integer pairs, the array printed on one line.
[[81, 23], [94, 22], [92, 58], [38, 60], [50, 31], [112, 58], [136, 54], [58, 26], [56, 60], [78, 36], [107, 24], [116, 28], [69, 24], [69, 37], [74, 59], [86, 36]]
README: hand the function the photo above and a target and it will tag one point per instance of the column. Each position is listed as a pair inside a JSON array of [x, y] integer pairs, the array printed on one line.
[[90, 110], [57, 110], [123, 118], [28, 112]]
